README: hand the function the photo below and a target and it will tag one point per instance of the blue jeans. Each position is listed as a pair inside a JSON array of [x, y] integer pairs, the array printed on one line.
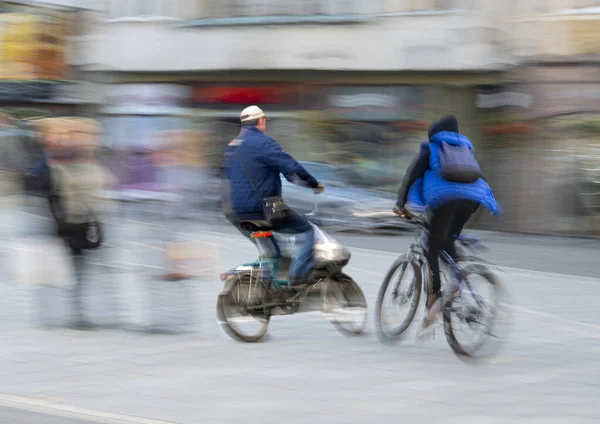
[[302, 262]]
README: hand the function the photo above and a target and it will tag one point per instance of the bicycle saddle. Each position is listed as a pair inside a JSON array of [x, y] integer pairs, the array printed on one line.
[[254, 226]]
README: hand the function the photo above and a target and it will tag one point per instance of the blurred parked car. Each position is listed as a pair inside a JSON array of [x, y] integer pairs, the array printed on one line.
[[342, 206]]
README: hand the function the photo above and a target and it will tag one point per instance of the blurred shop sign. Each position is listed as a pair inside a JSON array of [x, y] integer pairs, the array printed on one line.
[[147, 94], [364, 100], [374, 103], [585, 37], [25, 92], [77, 93], [504, 99], [245, 95], [32, 46], [50, 92], [145, 98]]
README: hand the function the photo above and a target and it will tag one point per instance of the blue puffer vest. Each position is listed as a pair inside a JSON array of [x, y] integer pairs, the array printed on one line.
[[434, 191]]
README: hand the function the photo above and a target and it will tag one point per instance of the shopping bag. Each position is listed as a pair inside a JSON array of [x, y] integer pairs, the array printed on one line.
[[40, 261], [191, 259]]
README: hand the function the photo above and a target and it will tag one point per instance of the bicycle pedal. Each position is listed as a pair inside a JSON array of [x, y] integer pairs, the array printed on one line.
[[427, 333]]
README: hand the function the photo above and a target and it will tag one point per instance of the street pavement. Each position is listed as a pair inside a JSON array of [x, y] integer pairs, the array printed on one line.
[[12, 415], [304, 371]]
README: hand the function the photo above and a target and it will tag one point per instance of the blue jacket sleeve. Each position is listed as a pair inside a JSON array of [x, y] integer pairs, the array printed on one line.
[[415, 195], [278, 160], [415, 171]]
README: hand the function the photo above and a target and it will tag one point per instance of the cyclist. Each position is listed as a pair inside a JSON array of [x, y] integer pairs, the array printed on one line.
[[251, 173], [446, 179]]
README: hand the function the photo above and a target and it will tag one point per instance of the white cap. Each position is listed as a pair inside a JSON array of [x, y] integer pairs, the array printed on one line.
[[251, 113]]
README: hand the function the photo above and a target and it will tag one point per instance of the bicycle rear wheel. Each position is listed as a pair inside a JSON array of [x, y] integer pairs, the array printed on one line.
[[468, 315], [400, 290]]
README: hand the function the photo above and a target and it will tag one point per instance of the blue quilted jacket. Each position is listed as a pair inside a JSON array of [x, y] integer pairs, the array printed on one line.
[[252, 166], [433, 191]]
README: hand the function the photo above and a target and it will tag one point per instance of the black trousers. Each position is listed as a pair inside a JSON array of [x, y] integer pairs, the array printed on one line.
[[78, 265], [447, 221], [73, 236]]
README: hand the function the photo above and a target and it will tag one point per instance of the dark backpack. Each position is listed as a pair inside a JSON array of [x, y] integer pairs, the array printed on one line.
[[458, 164]]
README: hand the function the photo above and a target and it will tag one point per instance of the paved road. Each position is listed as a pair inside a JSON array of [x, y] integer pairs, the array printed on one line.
[[547, 371], [21, 416]]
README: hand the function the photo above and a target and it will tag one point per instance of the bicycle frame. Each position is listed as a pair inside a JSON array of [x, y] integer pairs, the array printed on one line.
[[460, 277], [417, 252]]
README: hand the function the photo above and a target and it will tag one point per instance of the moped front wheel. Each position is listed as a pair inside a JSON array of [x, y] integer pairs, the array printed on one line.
[[344, 304]]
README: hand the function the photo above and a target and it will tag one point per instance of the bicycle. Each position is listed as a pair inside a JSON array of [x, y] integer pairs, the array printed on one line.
[[461, 302], [258, 290]]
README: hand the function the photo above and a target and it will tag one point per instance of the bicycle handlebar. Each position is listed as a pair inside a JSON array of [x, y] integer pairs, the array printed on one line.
[[316, 203], [416, 214], [420, 217]]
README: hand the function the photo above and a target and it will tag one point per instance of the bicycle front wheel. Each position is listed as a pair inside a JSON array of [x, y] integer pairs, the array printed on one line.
[[399, 293]]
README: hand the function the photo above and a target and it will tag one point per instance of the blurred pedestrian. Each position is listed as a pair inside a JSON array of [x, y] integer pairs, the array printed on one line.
[[77, 179], [13, 162], [13, 157]]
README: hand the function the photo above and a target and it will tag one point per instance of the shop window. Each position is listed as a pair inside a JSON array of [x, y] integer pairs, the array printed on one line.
[[19, 8], [550, 6], [366, 154], [583, 4], [142, 8], [563, 174], [128, 132], [400, 6], [244, 8]]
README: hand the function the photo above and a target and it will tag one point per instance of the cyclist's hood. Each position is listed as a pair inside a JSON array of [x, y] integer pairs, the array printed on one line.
[[446, 123]]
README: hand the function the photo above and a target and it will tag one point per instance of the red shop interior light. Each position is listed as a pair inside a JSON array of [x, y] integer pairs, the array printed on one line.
[[243, 95]]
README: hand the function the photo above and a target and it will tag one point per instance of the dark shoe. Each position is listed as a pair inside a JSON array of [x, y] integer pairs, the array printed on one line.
[[282, 295], [301, 282], [297, 282], [83, 325], [175, 277]]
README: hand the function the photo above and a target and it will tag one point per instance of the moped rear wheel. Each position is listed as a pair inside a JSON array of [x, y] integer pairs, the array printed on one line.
[[242, 310]]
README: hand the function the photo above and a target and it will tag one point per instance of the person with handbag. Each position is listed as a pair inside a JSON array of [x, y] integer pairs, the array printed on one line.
[[76, 181], [251, 188]]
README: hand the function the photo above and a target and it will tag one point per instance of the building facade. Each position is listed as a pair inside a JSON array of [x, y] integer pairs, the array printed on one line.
[[355, 83], [350, 82], [541, 126], [39, 69]]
